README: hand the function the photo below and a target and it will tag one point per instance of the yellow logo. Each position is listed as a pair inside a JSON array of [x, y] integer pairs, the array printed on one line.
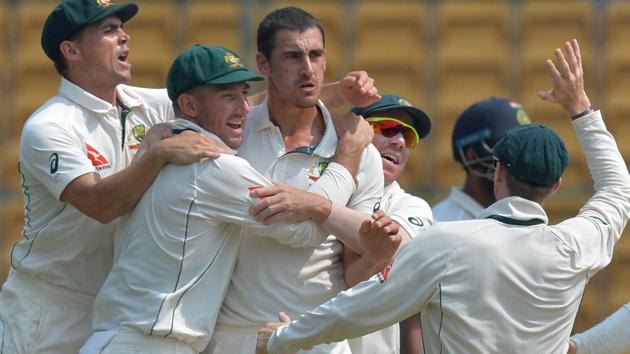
[[104, 3], [232, 61]]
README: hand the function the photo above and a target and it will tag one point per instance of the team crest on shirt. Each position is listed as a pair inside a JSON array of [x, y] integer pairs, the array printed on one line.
[[99, 161], [315, 171], [135, 136], [104, 3]]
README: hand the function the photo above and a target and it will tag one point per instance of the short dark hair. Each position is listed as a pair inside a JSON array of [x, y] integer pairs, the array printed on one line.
[[530, 191], [287, 18]]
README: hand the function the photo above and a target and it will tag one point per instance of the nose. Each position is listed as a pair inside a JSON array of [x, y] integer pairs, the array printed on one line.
[[307, 68], [124, 36], [244, 107], [398, 141]]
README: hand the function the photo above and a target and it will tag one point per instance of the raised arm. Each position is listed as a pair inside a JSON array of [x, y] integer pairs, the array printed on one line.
[[600, 222]]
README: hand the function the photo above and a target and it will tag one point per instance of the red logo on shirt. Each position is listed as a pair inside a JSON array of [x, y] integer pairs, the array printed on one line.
[[382, 276], [98, 160]]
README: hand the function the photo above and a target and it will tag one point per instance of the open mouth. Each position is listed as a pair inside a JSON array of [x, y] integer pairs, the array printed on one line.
[[124, 56], [391, 158], [235, 125]]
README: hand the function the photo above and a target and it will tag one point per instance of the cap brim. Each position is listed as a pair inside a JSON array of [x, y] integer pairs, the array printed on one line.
[[421, 120], [124, 11], [235, 76]]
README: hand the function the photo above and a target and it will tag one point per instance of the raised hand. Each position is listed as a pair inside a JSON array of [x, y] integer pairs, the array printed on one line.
[[568, 80], [357, 89], [380, 238]]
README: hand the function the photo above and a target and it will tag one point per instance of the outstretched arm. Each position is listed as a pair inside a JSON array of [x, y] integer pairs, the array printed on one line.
[[105, 199]]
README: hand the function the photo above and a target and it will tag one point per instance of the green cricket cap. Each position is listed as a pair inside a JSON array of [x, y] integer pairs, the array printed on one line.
[[421, 121], [532, 153], [71, 16], [206, 65]]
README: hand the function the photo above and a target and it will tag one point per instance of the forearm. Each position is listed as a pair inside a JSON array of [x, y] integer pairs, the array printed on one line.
[[612, 336], [611, 201], [302, 234], [108, 198], [345, 223], [361, 269], [331, 96]]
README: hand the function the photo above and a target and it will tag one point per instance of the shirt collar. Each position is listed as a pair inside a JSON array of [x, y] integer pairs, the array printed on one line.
[[517, 209], [465, 201], [181, 123], [391, 188], [327, 145], [92, 103]]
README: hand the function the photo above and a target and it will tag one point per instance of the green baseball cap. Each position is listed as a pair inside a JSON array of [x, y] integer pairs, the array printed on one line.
[[71, 16], [206, 65], [421, 121], [532, 153]]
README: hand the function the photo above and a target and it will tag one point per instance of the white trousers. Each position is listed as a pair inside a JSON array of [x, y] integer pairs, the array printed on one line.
[[38, 317]]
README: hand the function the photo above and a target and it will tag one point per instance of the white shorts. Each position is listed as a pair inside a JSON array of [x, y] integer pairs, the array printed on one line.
[[38, 317], [128, 342], [239, 341]]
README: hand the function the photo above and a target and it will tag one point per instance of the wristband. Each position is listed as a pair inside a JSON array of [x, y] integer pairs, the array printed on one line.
[[582, 114]]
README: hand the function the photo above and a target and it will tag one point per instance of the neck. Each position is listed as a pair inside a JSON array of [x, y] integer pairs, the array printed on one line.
[[298, 126], [104, 91], [479, 189]]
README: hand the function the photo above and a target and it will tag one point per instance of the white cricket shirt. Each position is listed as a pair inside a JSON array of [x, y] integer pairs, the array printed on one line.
[[414, 215], [176, 250], [270, 277], [73, 134], [508, 283], [457, 206]]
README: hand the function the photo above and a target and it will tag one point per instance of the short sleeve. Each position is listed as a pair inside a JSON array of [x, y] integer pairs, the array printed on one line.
[[53, 155]]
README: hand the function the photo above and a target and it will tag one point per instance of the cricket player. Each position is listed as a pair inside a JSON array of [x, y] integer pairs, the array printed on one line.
[[398, 127], [611, 336], [290, 138], [175, 252], [476, 132], [507, 282], [75, 162]]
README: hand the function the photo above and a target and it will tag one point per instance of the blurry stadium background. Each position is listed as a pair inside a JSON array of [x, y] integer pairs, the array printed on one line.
[[441, 55]]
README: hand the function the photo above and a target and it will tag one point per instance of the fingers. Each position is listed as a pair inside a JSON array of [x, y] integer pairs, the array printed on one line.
[[284, 318], [576, 50], [571, 58], [563, 66], [262, 192]]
